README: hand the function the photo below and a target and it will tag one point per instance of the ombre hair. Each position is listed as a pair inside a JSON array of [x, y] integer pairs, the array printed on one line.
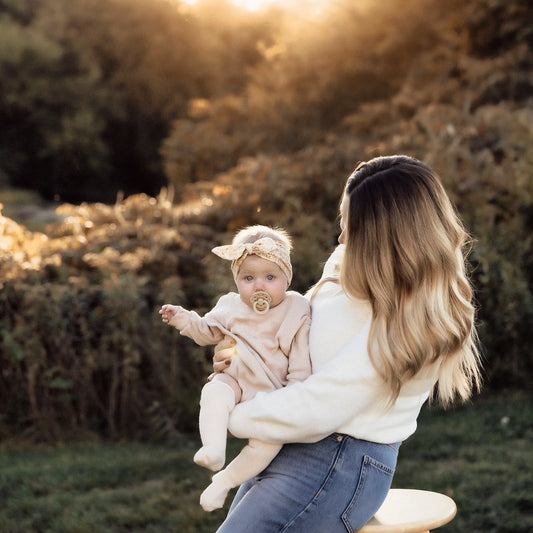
[[406, 253]]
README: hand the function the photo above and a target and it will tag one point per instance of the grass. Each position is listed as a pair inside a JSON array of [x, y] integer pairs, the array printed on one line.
[[482, 456], [479, 454], [113, 488]]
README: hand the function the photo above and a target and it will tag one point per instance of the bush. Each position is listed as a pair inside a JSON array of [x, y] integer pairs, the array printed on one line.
[[82, 346]]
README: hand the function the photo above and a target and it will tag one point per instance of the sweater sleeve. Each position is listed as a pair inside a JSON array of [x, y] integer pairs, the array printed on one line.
[[310, 410]]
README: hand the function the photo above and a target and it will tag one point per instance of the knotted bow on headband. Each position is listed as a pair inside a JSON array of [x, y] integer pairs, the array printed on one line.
[[267, 248]]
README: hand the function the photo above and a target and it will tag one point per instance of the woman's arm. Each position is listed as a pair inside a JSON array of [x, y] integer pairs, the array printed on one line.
[[308, 411]]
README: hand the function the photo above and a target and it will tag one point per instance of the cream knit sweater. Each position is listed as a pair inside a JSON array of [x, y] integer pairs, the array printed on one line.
[[344, 394]]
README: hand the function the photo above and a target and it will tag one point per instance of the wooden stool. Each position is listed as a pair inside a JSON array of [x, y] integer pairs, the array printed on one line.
[[411, 511]]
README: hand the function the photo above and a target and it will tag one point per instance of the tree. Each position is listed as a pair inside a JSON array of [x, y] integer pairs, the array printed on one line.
[[50, 113]]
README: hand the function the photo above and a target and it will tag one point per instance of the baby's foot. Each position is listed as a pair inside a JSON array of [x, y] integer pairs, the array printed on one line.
[[210, 457], [214, 496]]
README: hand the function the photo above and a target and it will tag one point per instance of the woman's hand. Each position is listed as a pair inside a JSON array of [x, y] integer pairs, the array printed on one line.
[[225, 350]]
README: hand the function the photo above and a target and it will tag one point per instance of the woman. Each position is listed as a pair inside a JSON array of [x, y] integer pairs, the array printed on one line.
[[392, 322]]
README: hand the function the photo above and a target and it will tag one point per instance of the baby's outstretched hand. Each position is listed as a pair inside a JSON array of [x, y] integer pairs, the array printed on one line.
[[168, 312]]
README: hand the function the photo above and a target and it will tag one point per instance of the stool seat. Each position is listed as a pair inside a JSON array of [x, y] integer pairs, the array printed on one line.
[[411, 511]]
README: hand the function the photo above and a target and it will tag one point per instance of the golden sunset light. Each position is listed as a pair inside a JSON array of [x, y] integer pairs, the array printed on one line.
[[261, 5]]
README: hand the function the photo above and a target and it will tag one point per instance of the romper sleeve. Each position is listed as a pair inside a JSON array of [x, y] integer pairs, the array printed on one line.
[[201, 330]]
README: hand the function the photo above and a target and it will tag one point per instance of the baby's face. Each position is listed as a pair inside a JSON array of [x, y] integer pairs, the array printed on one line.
[[258, 274]]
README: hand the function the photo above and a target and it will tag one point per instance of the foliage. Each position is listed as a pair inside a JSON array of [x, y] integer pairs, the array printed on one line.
[[286, 104], [198, 148], [49, 111], [82, 347], [89, 88]]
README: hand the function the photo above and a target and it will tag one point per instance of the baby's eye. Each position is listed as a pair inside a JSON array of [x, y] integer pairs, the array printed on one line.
[[248, 278], [270, 277]]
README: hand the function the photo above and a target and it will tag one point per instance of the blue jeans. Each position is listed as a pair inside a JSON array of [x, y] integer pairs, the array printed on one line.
[[332, 486]]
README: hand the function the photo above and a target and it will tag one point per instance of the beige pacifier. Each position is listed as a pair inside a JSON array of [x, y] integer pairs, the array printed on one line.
[[261, 301]]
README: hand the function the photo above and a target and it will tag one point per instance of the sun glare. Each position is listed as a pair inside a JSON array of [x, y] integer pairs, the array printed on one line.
[[253, 5], [259, 5]]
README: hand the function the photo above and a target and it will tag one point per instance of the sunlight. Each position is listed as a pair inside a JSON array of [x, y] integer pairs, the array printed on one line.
[[260, 5]]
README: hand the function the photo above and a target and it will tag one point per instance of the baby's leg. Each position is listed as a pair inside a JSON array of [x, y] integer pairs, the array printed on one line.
[[217, 400], [252, 460]]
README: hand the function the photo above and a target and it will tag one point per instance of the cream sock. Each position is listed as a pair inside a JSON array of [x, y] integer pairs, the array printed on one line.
[[252, 460], [216, 403]]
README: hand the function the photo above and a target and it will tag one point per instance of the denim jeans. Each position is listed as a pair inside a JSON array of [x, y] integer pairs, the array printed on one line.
[[332, 486]]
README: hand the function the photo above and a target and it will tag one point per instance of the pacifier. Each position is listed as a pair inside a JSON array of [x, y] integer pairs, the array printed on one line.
[[261, 301]]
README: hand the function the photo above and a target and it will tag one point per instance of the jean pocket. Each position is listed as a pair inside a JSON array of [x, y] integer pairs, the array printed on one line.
[[374, 483]]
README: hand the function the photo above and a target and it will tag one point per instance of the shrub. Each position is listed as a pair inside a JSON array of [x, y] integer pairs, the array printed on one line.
[[82, 346]]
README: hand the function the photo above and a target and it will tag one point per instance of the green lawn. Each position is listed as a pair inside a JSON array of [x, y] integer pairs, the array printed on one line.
[[480, 454]]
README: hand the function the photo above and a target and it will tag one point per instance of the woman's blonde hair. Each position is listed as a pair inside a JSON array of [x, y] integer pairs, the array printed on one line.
[[405, 253]]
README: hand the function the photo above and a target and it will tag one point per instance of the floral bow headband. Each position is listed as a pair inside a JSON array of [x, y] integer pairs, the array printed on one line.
[[267, 248]]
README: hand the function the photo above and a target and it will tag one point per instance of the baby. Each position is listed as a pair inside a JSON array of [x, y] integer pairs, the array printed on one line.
[[270, 326]]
